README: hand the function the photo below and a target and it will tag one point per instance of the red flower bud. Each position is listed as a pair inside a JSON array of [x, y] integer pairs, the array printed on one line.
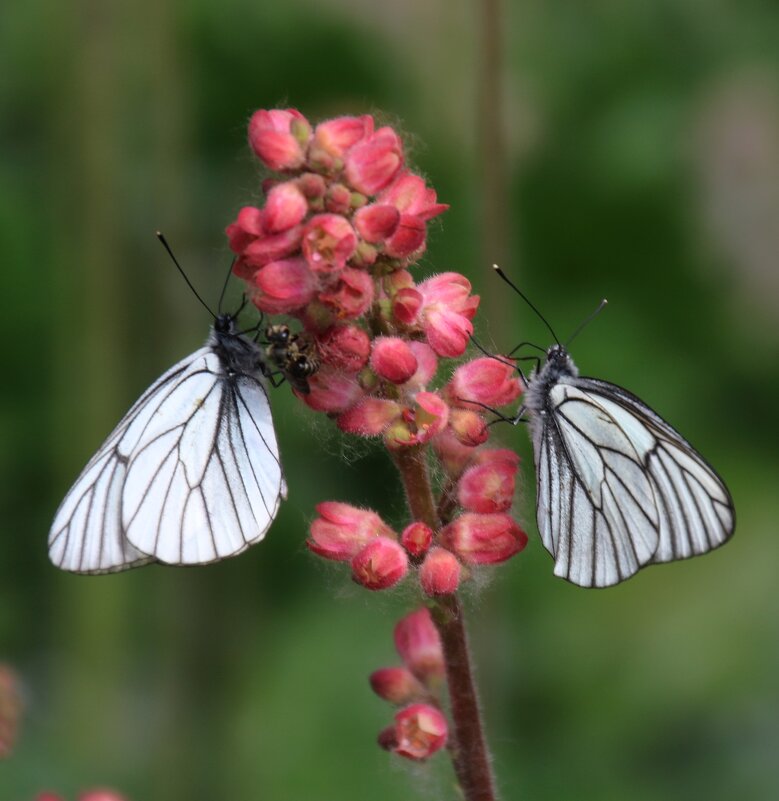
[[285, 207], [328, 242], [409, 195], [333, 138], [341, 530], [338, 199], [313, 186], [485, 380], [332, 391], [488, 485], [427, 365], [447, 311], [278, 137], [351, 296], [469, 427], [408, 238], [345, 347], [420, 731], [373, 163], [283, 286], [393, 359], [440, 572], [272, 247], [370, 417], [406, 305], [416, 538], [420, 423], [484, 539], [376, 222], [396, 685], [380, 564], [419, 645], [246, 228]]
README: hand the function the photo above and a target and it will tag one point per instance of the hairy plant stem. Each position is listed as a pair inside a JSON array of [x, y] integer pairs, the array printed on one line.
[[467, 744]]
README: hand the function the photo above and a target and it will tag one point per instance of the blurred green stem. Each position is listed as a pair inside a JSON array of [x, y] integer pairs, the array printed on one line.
[[466, 743]]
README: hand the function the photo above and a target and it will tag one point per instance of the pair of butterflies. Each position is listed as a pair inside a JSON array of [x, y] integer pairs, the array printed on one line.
[[191, 474]]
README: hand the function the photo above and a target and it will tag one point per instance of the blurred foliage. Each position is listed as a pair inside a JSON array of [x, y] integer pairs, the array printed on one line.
[[642, 144]]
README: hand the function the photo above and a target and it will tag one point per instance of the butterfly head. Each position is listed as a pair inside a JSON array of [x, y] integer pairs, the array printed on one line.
[[224, 324]]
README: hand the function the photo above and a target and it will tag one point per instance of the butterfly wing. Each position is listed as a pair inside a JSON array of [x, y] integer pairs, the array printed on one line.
[[87, 535], [696, 510], [204, 479], [595, 503]]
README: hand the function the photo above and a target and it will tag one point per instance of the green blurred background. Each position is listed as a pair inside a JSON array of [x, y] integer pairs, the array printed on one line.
[[619, 149]]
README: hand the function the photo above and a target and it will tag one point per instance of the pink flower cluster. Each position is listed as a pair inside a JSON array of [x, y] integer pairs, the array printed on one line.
[[419, 728], [333, 245], [481, 485]]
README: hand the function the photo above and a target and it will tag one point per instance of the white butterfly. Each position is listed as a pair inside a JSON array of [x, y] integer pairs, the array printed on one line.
[[617, 488], [190, 475]]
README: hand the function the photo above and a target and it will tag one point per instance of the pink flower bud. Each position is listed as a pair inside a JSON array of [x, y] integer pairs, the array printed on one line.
[[372, 163], [419, 645], [408, 238], [285, 207], [351, 296], [342, 530], [393, 359], [453, 454], [427, 364], [488, 485], [312, 186], [246, 228], [484, 539], [338, 199], [370, 417], [376, 222], [332, 391], [328, 242], [278, 137], [430, 414], [272, 247], [406, 305], [409, 195], [333, 138], [420, 731], [396, 685], [380, 564], [447, 312], [345, 347], [484, 380], [283, 286], [469, 427], [416, 538], [440, 572], [420, 423]]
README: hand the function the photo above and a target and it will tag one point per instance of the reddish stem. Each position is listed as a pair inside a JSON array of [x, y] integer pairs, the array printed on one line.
[[467, 744]]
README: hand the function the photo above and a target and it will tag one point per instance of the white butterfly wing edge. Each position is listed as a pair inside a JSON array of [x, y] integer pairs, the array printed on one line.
[[619, 488], [209, 443]]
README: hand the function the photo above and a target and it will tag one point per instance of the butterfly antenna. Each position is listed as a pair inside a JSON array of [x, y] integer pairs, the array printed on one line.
[[224, 286], [526, 299], [586, 322], [165, 244]]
